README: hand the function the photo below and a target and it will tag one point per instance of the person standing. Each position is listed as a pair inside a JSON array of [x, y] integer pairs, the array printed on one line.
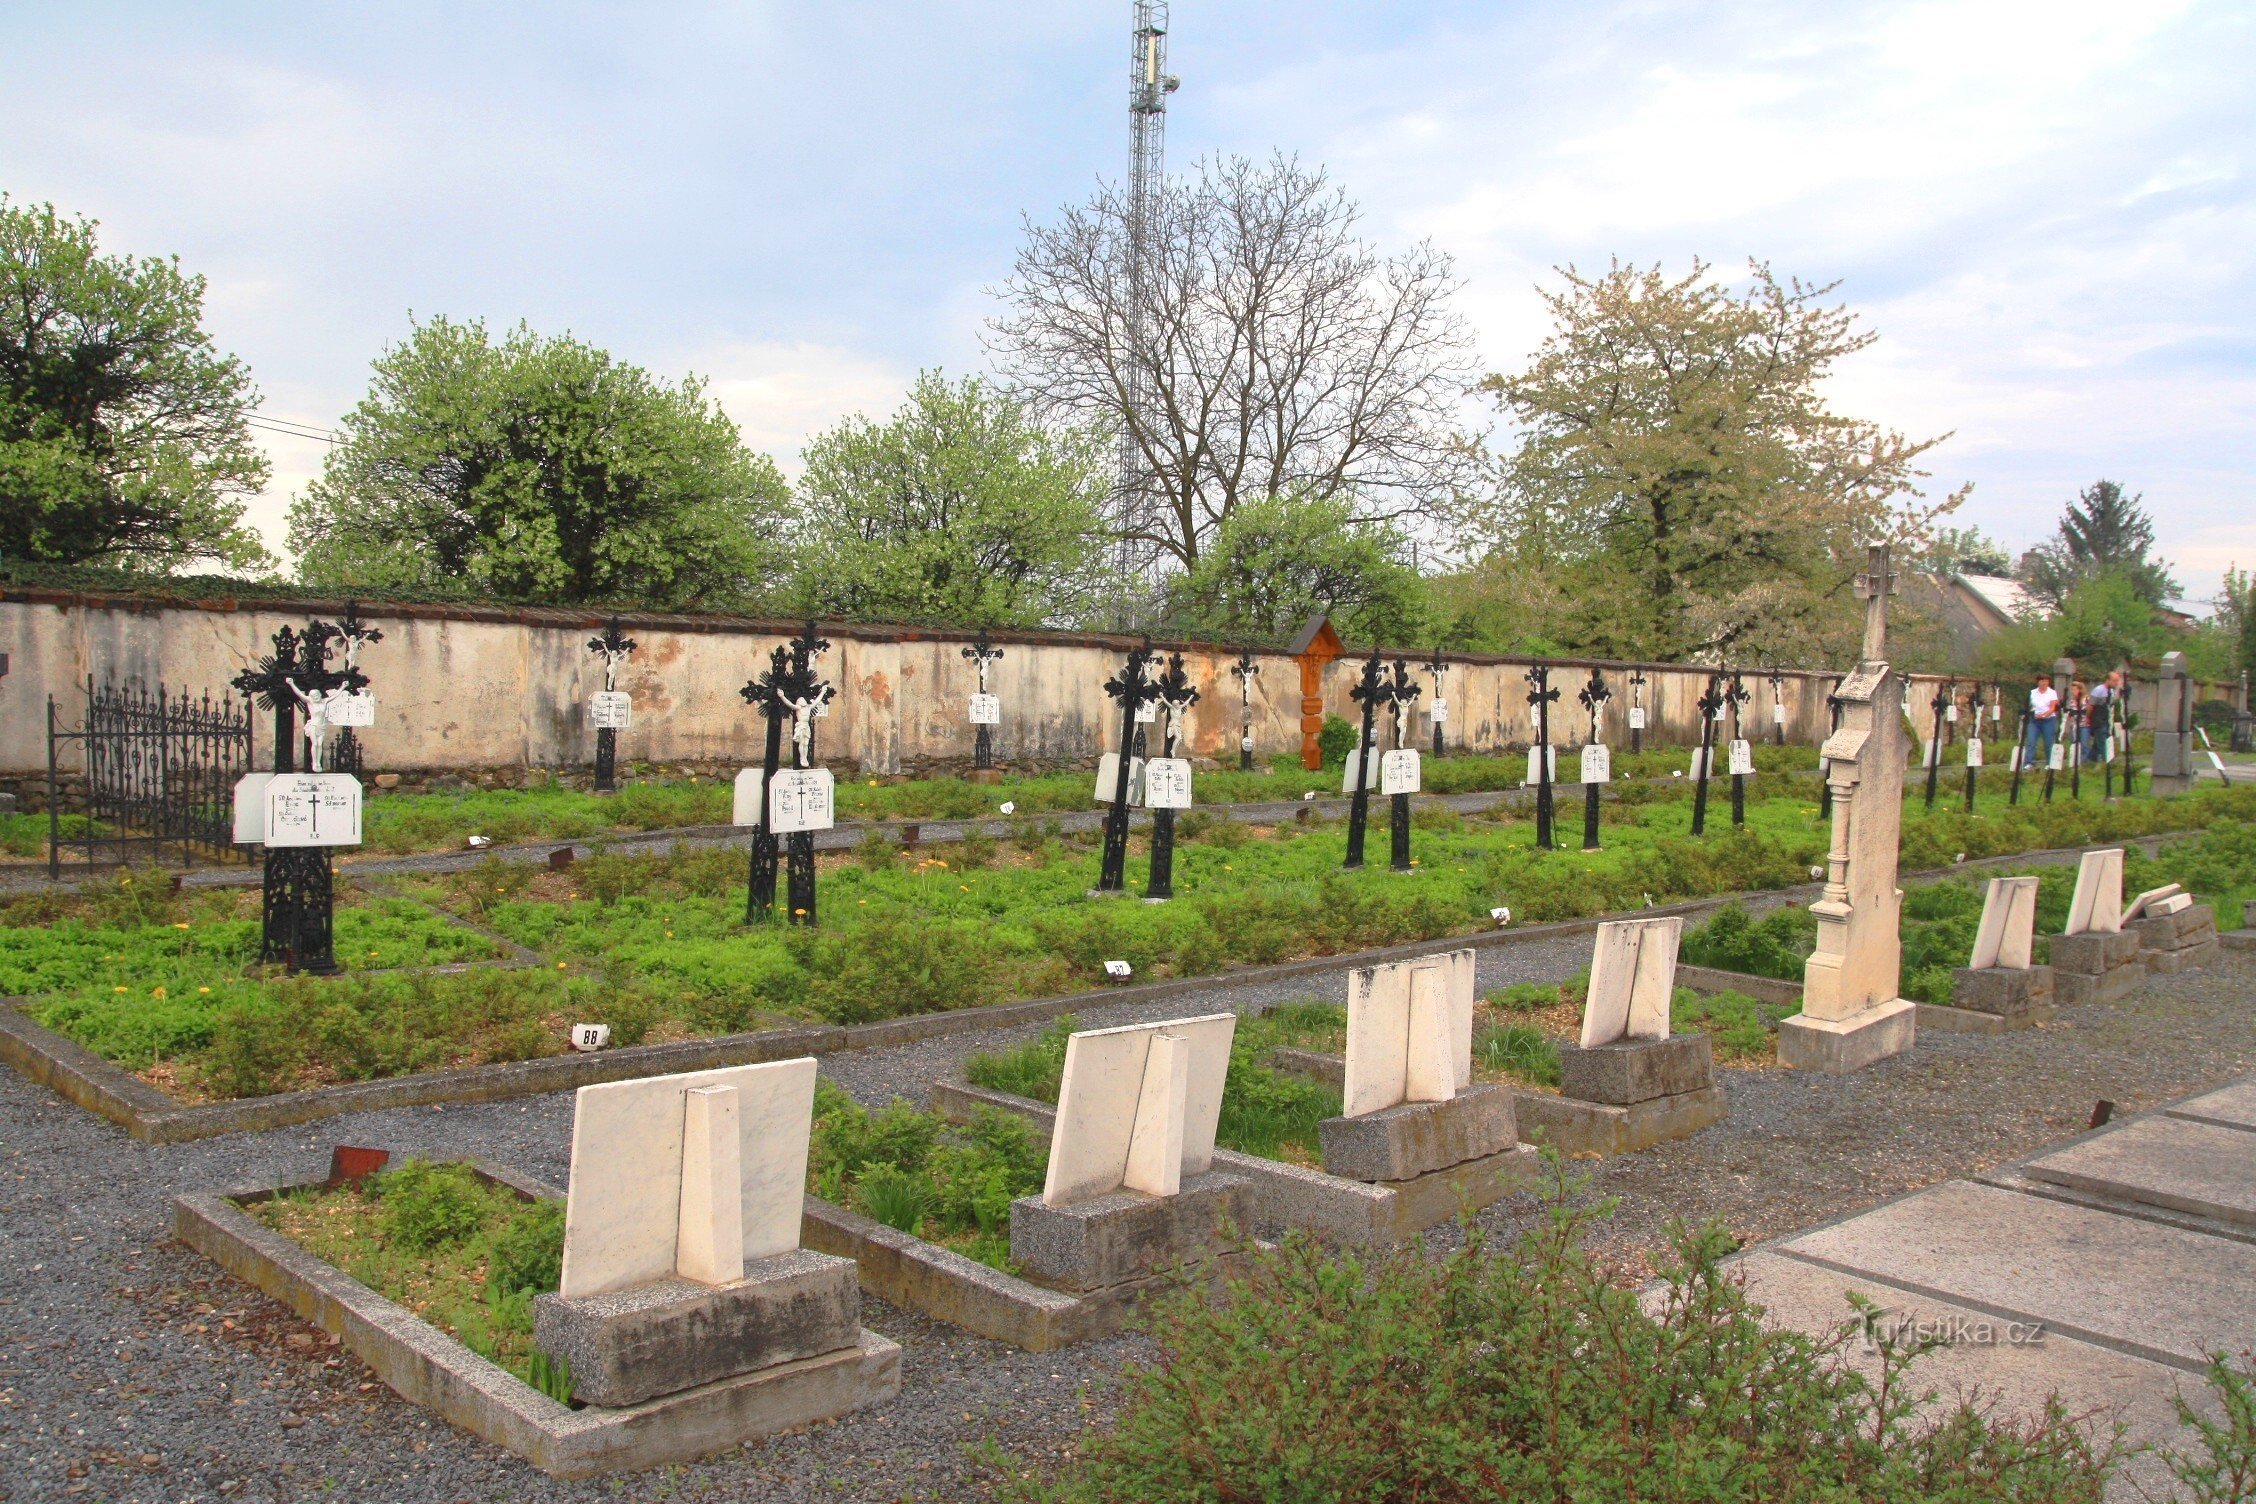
[[2044, 722], [2095, 720], [2075, 720]]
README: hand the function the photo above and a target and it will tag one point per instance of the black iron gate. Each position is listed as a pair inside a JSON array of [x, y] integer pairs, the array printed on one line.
[[160, 776]]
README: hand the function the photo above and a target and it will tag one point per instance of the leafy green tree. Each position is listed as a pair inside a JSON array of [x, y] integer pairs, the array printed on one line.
[[1680, 474], [1967, 550], [2236, 616], [960, 508], [122, 432], [2103, 532], [1275, 562], [541, 470]]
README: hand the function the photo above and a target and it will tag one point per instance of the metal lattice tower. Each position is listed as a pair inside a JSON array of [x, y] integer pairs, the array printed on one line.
[[1149, 84]]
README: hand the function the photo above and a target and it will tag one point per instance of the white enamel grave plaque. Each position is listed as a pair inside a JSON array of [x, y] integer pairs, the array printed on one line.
[[1931, 755], [312, 809], [1108, 774], [1398, 771], [350, 708], [1632, 978], [1147, 713], [2007, 937], [1597, 763], [1637, 718], [1701, 761], [631, 1219], [802, 799], [1245, 744], [610, 709], [1973, 751], [1742, 757], [1137, 1108], [1119, 971], [1778, 713], [250, 808], [2097, 907], [1409, 1032], [1347, 774], [2059, 752], [1538, 767], [1439, 710], [1950, 712], [590, 1036], [1167, 783], [749, 801], [986, 710]]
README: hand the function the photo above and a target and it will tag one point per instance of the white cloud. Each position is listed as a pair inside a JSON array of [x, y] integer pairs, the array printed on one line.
[[781, 394]]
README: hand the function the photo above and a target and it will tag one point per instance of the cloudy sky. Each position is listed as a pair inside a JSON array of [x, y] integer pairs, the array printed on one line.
[[2043, 208]]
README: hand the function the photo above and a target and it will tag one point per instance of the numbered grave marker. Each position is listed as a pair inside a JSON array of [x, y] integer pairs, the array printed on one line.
[[610, 710], [986, 710], [1167, 783], [1439, 710], [1974, 752], [1119, 971], [1543, 762], [312, 809], [1742, 757], [1778, 713], [590, 1036], [1597, 763], [1147, 713], [1637, 718], [802, 799], [348, 708], [1398, 771], [1347, 774]]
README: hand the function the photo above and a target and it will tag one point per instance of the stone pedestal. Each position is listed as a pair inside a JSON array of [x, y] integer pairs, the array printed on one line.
[[2170, 767], [1128, 1236], [1614, 1098], [2000, 998], [1413, 1139], [673, 1334], [1838, 1046], [2172, 943], [2095, 967]]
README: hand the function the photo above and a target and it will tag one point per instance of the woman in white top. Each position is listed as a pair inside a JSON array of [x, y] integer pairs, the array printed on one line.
[[2044, 721]]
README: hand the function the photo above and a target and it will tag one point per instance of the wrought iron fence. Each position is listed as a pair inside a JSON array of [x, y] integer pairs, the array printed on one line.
[[160, 776]]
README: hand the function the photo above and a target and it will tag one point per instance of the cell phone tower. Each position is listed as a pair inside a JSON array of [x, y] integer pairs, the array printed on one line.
[[1149, 84]]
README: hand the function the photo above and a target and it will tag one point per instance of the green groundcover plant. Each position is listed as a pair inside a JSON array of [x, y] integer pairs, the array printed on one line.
[[1395, 1375], [918, 1173]]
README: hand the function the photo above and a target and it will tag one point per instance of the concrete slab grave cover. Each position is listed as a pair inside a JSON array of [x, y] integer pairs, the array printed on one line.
[[1632, 977], [651, 1175], [2234, 1106], [2204, 1169], [2097, 907], [2007, 937], [1409, 1032], [1137, 1108]]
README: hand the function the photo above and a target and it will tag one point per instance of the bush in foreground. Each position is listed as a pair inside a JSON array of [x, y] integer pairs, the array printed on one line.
[[1394, 1376]]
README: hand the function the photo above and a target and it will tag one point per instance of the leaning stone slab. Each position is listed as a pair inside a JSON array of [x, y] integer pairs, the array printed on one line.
[[1836, 1047], [1128, 1237], [1350, 1213], [2200, 1168], [427, 1367], [626, 1346], [2162, 1293], [2232, 1106], [1414, 1139], [1636, 1070], [1573, 1127]]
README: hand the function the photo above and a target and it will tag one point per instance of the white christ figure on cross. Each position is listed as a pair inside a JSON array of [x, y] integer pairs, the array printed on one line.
[[316, 723]]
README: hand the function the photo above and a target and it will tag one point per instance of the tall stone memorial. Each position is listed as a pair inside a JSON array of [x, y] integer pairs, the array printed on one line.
[[2171, 771], [1852, 1014]]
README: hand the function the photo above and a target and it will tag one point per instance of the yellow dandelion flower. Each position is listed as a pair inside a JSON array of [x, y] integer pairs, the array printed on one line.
[[669, 934], [863, 902], [181, 926], [156, 992], [560, 966], [118, 989], [203, 989], [800, 913], [966, 887]]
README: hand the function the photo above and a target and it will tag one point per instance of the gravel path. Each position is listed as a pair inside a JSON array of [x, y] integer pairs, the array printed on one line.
[[132, 1370]]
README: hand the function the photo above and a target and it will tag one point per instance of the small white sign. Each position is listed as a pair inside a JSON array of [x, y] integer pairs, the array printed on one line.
[[1700, 763], [1974, 752], [313, 809], [1439, 710], [590, 1036], [1167, 783], [1540, 767], [1502, 914], [1637, 718], [986, 710], [1108, 776], [1119, 971], [749, 798], [1742, 757], [1147, 712], [610, 709], [351, 708], [1347, 774], [1245, 744], [1950, 712], [1398, 771], [1597, 763], [1931, 753], [1009, 806], [1778, 712], [802, 799], [2055, 763], [250, 808]]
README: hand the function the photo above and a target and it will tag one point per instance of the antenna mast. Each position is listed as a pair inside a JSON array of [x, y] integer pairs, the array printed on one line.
[[1149, 84]]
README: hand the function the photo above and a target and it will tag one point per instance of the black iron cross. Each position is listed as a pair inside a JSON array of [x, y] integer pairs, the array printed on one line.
[[1542, 696], [1594, 696], [982, 653]]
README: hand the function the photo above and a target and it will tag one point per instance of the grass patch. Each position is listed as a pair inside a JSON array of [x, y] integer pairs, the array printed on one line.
[[464, 1254], [917, 1173]]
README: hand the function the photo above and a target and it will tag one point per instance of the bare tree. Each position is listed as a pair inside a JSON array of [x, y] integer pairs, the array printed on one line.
[[1284, 356]]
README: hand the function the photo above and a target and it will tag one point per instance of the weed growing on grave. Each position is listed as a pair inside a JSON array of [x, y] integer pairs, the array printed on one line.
[[466, 1255], [1397, 1375], [1737, 1026], [2221, 1467], [1517, 1050], [1775, 945], [912, 1171]]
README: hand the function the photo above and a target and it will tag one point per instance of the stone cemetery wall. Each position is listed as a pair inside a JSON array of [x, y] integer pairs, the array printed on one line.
[[464, 689]]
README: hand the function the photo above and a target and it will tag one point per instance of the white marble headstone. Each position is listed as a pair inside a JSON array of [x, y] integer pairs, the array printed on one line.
[[1409, 1032], [2097, 907], [2007, 936], [1632, 980], [652, 1172], [1137, 1108]]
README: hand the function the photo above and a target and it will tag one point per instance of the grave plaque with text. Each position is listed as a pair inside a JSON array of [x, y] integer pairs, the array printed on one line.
[[312, 809]]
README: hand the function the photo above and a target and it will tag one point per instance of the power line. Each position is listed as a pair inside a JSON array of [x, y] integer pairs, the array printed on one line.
[[292, 428]]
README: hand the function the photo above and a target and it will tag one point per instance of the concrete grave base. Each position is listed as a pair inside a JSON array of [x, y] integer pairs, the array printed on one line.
[[2238, 939], [1836, 1048], [427, 1367], [1630, 1071], [1329, 1070], [1128, 1236], [1950, 1020], [1413, 1139], [2172, 943], [1576, 1127], [630, 1345], [1993, 1000], [2095, 967]]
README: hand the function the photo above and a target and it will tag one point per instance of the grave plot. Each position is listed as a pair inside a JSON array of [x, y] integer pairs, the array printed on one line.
[[665, 1311]]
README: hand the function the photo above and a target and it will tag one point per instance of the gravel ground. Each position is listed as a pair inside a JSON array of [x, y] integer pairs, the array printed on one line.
[[132, 1370]]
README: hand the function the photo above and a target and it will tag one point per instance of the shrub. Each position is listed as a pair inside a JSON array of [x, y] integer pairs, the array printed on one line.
[[876, 851], [1336, 740], [896, 1197], [428, 1206], [1777, 945], [1395, 1375], [527, 1254], [897, 965]]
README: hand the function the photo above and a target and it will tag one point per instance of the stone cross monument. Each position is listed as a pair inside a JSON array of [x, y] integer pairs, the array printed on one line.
[[2171, 770], [1852, 1014]]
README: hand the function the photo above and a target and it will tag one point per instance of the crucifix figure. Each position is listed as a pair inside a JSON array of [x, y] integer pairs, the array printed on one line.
[[1852, 1010], [1245, 668], [1437, 668], [614, 650], [316, 707], [980, 654]]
